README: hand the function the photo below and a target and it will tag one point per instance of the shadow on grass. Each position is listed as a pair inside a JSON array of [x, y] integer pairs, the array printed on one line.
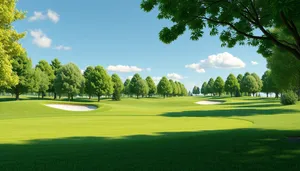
[[228, 113], [229, 150]]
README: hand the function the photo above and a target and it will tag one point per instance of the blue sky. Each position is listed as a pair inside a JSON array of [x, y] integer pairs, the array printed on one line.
[[118, 32]]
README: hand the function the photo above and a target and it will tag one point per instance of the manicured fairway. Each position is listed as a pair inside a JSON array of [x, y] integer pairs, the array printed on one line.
[[150, 134]]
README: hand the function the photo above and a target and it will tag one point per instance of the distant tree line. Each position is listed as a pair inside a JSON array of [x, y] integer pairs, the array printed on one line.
[[247, 84], [67, 80]]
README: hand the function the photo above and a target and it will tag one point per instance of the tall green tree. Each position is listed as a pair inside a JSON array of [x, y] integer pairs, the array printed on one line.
[[136, 86], [22, 67], [88, 88], [45, 67], [68, 80], [127, 87], [151, 86], [144, 87], [172, 83], [259, 82], [204, 89], [219, 86], [101, 82], [240, 78], [210, 87], [41, 82], [232, 85], [117, 86], [196, 90], [9, 42], [236, 22], [285, 71], [164, 87], [268, 84], [250, 84], [243, 86], [56, 65], [179, 91]]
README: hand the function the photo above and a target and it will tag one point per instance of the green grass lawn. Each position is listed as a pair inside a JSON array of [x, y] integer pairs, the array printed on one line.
[[150, 134]]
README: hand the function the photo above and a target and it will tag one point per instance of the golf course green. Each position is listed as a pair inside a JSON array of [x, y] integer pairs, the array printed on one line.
[[150, 134]]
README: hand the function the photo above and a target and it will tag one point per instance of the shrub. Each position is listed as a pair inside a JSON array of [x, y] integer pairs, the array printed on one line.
[[289, 98]]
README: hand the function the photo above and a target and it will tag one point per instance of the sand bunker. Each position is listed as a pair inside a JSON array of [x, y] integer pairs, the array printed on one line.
[[72, 107], [209, 103]]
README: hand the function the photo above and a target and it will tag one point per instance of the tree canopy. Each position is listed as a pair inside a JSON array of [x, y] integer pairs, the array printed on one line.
[[236, 22], [117, 86], [210, 86], [88, 88], [164, 87], [204, 89], [151, 86], [68, 80], [9, 41], [232, 84], [219, 86], [41, 82]]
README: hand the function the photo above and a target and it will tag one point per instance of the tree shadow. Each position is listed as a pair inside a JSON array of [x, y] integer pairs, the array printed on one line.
[[227, 150], [272, 105], [229, 113]]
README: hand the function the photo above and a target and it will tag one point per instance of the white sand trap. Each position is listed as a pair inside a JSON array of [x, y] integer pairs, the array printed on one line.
[[209, 103], [72, 107]]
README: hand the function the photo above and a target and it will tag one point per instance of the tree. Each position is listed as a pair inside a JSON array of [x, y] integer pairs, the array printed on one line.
[[151, 86], [250, 84], [117, 86], [196, 90], [47, 69], [184, 91], [178, 87], [285, 71], [41, 82], [68, 80], [236, 22], [259, 82], [219, 86], [22, 67], [56, 65], [101, 82], [172, 83], [127, 87], [240, 78], [135, 85], [164, 87], [9, 44], [144, 87], [88, 88], [204, 89], [210, 87], [268, 83], [232, 85], [243, 86]]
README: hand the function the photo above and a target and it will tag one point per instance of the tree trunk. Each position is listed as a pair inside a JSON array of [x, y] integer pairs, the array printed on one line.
[[219, 94], [137, 96], [231, 94], [90, 97], [298, 95], [17, 93], [54, 96], [99, 98], [72, 97], [276, 95], [267, 95], [68, 96]]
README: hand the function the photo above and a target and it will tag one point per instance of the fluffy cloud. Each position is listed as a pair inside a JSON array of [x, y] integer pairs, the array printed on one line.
[[222, 60], [175, 76], [123, 68], [51, 15], [40, 39], [254, 63], [37, 16], [61, 47]]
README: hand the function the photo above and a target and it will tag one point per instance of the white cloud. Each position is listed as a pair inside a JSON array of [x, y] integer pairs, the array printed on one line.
[[40, 39], [175, 76], [53, 16], [222, 60], [123, 68], [254, 63], [61, 47], [196, 67], [37, 16]]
